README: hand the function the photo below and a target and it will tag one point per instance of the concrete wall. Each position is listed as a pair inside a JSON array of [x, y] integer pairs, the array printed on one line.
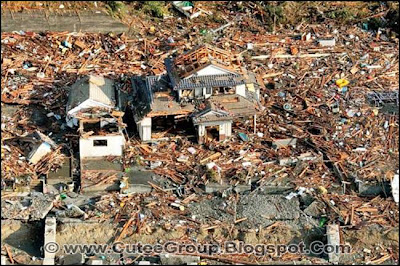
[[38, 21], [144, 128], [114, 146]]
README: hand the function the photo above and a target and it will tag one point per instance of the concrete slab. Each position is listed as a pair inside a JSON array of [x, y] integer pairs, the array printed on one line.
[[170, 259], [49, 237], [213, 187], [332, 231], [37, 21]]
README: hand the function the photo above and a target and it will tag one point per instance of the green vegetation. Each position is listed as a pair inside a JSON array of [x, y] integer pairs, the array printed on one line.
[[138, 161], [213, 175], [343, 14], [154, 8], [116, 8]]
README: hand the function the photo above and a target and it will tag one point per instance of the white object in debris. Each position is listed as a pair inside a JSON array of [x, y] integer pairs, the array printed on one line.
[[260, 134], [178, 205], [291, 195], [300, 192], [250, 46], [6, 147], [213, 165], [306, 36], [186, 10], [361, 149], [155, 164], [241, 152], [395, 187], [36, 154], [50, 114], [191, 150], [246, 164], [122, 47], [330, 42], [386, 125], [40, 75], [182, 158], [279, 143]]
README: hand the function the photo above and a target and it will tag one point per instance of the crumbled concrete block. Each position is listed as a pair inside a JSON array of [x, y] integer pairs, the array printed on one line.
[[170, 259], [74, 259], [94, 262]]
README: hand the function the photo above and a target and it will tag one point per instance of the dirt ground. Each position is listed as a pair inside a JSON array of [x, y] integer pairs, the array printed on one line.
[[370, 238], [22, 239]]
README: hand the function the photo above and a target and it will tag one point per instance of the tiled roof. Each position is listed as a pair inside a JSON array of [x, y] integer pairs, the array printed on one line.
[[211, 114], [221, 80]]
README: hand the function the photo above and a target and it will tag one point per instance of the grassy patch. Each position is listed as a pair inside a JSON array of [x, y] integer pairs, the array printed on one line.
[[116, 8], [155, 8]]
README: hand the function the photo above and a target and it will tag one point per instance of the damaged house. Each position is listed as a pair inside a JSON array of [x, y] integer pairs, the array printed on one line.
[[94, 103], [206, 85]]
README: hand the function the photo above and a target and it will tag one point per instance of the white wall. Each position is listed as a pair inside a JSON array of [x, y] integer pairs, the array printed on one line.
[[207, 95], [211, 70], [201, 130], [114, 146], [226, 129], [241, 90], [144, 128]]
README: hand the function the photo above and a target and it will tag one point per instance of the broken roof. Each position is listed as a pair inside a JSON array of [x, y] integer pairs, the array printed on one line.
[[99, 90], [211, 114], [182, 67], [236, 104]]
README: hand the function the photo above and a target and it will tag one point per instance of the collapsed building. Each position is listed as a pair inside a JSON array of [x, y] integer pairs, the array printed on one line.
[[206, 85], [95, 105], [93, 101]]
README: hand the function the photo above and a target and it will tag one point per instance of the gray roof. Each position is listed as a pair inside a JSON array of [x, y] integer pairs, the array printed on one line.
[[211, 114], [96, 88], [219, 80]]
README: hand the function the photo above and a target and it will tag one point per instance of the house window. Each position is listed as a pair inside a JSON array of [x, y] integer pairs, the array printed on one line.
[[100, 142], [208, 90]]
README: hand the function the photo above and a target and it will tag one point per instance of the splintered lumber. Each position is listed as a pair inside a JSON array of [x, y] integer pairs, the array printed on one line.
[[9, 254], [270, 75], [155, 186], [211, 157], [127, 224], [240, 220], [290, 56]]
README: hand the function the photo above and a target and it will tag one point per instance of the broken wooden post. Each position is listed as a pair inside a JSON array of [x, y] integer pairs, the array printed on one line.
[[255, 123]]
